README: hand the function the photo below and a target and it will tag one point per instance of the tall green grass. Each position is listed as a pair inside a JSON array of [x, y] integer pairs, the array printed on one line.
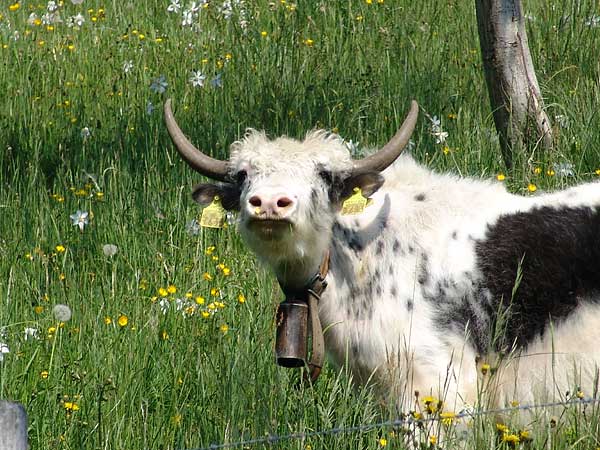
[[181, 380]]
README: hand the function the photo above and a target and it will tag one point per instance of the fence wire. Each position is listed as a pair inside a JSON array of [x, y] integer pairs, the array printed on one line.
[[276, 438]]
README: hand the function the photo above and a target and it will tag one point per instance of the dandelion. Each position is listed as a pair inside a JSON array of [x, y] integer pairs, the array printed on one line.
[[14, 6], [226, 271], [174, 6], [162, 292], [448, 418], [61, 312], [110, 250], [309, 42], [3, 350], [511, 439], [264, 33], [123, 320], [38, 309], [241, 299], [71, 406], [501, 177], [215, 292], [433, 439], [200, 300], [80, 219], [77, 20], [33, 20], [107, 320], [60, 248], [164, 335], [210, 250], [224, 328], [159, 85], [171, 289], [531, 187], [382, 442], [197, 79], [207, 276]]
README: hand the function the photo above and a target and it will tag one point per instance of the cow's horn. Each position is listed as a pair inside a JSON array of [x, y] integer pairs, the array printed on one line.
[[207, 166], [388, 154]]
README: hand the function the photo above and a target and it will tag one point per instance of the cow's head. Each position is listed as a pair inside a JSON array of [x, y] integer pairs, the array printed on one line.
[[287, 192]]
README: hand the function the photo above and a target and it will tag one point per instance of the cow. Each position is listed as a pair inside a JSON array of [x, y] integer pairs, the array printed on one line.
[[441, 285]]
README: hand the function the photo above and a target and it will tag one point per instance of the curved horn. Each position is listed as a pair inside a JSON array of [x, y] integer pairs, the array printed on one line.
[[388, 154], [207, 166]]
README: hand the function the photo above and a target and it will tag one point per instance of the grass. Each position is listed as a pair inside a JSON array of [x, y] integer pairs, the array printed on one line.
[[79, 132]]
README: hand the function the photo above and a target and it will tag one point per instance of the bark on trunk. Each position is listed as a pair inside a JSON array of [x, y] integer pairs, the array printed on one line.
[[515, 96]]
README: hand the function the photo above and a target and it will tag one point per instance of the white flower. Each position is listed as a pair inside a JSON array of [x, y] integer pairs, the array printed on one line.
[[3, 350], [31, 333], [192, 227], [77, 20], [51, 18], [353, 147], [77, 2], [159, 85], [52, 6], [226, 10], [80, 219], [564, 169], [197, 79], [164, 305], [110, 250], [175, 6], [562, 120], [127, 66], [593, 21], [436, 130], [85, 132], [440, 136], [187, 18], [62, 313]]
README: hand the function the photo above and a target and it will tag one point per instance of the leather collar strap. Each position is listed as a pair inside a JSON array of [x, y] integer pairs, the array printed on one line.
[[315, 289]]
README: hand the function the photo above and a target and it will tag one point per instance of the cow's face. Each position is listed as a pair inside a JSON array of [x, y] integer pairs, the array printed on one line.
[[287, 192]]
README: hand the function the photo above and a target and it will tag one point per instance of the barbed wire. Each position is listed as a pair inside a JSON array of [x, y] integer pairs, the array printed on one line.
[[273, 439]]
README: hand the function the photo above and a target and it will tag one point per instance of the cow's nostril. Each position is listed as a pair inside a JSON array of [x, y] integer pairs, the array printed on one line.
[[255, 201], [283, 202]]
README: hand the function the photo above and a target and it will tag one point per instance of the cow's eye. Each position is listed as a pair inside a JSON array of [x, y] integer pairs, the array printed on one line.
[[241, 176]]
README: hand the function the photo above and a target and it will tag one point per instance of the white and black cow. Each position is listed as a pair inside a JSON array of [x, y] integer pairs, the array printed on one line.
[[438, 272]]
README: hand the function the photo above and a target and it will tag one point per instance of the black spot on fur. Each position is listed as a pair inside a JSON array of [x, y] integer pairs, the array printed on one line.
[[378, 290], [455, 234], [379, 248], [394, 291], [396, 246], [558, 251], [420, 197], [409, 304], [411, 249], [391, 270]]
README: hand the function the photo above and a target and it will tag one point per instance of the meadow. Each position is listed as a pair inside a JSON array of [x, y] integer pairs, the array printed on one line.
[[123, 324]]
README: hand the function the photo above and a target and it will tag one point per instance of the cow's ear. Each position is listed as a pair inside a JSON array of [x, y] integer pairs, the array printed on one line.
[[368, 182], [204, 193]]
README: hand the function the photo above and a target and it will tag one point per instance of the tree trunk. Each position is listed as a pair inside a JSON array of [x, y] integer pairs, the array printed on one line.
[[515, 96]]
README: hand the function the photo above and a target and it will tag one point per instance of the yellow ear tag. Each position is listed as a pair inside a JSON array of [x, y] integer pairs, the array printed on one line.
[[355, 204], [213, 216]]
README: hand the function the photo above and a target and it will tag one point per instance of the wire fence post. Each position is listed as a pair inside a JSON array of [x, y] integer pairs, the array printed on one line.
[[13, 426]]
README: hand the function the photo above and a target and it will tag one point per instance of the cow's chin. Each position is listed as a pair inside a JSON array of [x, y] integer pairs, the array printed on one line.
[[267, 230]]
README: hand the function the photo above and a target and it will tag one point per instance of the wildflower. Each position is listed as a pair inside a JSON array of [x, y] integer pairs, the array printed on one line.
[[174, 6], [107, 320], [448, 418], [38, 309], [224, 328], [226, 271], [171, 289], [562, 120], [564, 169], [159, 85], [164, 305], [205, 314], [537, 170], [485, 368], [164, 335], [85, 133], [207, 276], [215, 292], [264, 33], [162, 292], [309, 42], [51, 6], [579, 394], [432, 439], [531, 187], [500, 177], [188, 18], [382, 442], [71, 406], [44, 374], [110, 250], [241, 298], [62, 313], [14, 6], [123, 320], [200, 300], [59, 249], [510, 439], [127, 66], [217, 82], [176, 419], [197, 79], [80, 219], [76, 20], [33, 19], [3, 350], [212, 248], [31, 333]]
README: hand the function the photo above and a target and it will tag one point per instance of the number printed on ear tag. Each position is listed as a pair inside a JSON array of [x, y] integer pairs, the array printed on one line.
[[213, 216], [355, 204]]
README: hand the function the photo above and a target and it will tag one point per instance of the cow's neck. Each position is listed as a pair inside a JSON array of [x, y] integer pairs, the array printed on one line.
[[297, 274]]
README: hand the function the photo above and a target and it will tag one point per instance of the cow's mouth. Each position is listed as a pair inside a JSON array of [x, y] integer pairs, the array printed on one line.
[[270, 229]]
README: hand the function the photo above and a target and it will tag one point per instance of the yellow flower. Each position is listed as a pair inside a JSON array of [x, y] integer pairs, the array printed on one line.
[[163, 292], [224, 328], [123, 320], [309, 42], [200, 300], [62, 277], [500, 177], [382, 442], [44, 374], [188, 295], [71, 406], [511, 439], [107, 320], [432, 439], [99, 195], [264, 33], [207, 276], [215, 292], [537, 170], [176, 419], [452, 116], [205, 314], [212, 306], [226, 271], [550, 172], [164, 335], [241, 298], [485, 368], [38, 309], [501, 428], [14, 6], [531, 187], [448, 418], [60, 249], [171, 289], [580, 394], [597, 171]]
